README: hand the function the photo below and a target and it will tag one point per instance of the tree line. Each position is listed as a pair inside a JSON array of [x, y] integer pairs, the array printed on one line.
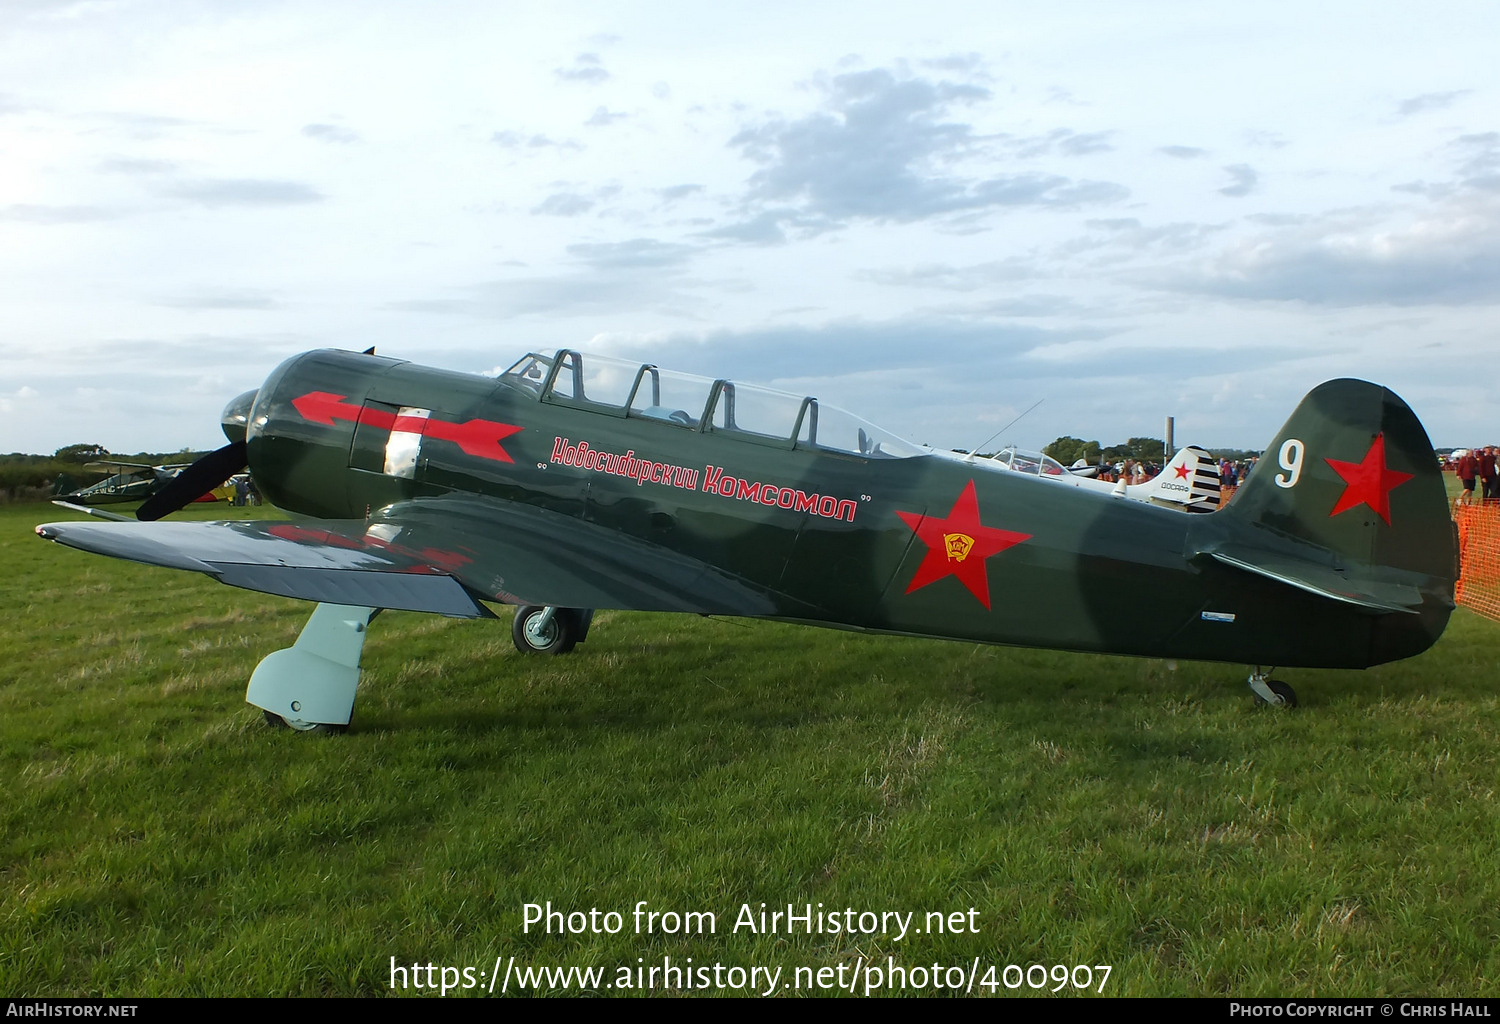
[[1069, 450]]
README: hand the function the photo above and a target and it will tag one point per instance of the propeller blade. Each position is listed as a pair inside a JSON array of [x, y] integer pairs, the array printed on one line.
[[194, 482]]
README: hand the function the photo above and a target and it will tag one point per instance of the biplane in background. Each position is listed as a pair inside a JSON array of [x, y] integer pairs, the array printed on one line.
[[127, 481], [570, 483]]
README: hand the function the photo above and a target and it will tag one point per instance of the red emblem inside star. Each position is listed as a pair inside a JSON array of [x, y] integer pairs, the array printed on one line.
[[1368, 482], [1182, 472], [959, 545]]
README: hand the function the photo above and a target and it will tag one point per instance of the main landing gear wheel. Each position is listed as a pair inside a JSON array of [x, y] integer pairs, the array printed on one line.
[[1272, 691], [545, 630], [296, 725]]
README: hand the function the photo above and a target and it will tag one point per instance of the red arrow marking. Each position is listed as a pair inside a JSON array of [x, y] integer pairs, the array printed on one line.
[[480, 438], [476, 437], [322, 407]]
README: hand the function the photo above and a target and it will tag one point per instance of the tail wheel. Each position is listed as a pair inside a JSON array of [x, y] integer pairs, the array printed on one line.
[[1286, 693], [535, 632], [1286, 696]]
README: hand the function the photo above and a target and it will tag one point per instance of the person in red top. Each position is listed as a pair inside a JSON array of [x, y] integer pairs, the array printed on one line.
[[1468, 469], [1487, 472]]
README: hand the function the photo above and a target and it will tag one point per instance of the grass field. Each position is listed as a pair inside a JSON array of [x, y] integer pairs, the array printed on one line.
[[156, 838]]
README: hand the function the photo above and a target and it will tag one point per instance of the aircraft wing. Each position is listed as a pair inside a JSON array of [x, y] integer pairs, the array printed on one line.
[[442, 555], [104, 465]]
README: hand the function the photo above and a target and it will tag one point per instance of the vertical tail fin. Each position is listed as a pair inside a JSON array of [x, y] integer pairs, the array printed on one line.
[[1353, 471], [1348, 503], [1190, 480]]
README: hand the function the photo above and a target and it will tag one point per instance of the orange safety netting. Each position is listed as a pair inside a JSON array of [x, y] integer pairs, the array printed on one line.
[[1479, 558]]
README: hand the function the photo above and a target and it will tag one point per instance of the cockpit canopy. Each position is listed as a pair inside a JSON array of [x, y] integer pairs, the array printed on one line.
[[747, 411], [1032, 463]]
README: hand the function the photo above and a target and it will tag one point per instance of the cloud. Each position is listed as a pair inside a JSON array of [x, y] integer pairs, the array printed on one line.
[[329, 133], [1439, 190], [517, 140], [12, 105], [926, 345], [218, 192], [125, 165], [1480, 155], [1444, 252], [587, 68], [1089, 142], [220, 298], [1245, 180], [1448, 254], [605, 277], [32, 213], [635, 252], [1183, 152], [10, 401], [1429, 101], [1270, 140], [766, 227], [1032, 304], [1064, 141], [564, 204], [603, 117], [676, 192], [951, 278], [884, 149], [972, 64], [1129, 233]]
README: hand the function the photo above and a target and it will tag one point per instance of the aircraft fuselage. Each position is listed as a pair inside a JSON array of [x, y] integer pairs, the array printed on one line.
[[922, 545]]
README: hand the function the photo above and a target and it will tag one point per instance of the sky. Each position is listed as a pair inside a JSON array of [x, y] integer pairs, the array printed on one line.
[[935, 215]]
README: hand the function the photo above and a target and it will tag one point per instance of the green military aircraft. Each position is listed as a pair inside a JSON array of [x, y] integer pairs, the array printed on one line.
[[570, 483], [127, 481]]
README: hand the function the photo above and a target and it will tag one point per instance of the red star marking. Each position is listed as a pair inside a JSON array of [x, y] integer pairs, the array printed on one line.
[[1182, 472], [959, 545], [1368, 482]]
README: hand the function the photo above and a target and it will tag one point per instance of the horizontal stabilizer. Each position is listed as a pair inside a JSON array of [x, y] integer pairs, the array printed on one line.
[[1377, 596]]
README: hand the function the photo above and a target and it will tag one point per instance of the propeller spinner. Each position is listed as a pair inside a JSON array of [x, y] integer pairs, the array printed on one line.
[[208, 472]]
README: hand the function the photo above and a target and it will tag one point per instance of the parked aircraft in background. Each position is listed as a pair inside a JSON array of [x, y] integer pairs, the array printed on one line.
[[1190, 481], [571, 482], [127, 481]]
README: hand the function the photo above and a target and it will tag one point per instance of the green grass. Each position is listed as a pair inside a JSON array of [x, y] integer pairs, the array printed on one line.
[[157, 839]]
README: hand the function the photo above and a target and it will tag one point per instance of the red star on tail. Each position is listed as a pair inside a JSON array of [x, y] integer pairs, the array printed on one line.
[[1368, 482], [959, 545]]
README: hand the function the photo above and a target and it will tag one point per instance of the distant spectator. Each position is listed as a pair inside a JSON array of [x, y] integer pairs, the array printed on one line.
[[1487, 472], [1468, 469]]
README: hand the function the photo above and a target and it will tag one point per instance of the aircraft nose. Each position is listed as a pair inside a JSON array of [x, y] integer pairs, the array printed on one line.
[[236, 417]]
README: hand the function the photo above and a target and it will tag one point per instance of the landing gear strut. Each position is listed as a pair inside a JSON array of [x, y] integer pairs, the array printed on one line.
[[1271, 691], [309, 687]]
